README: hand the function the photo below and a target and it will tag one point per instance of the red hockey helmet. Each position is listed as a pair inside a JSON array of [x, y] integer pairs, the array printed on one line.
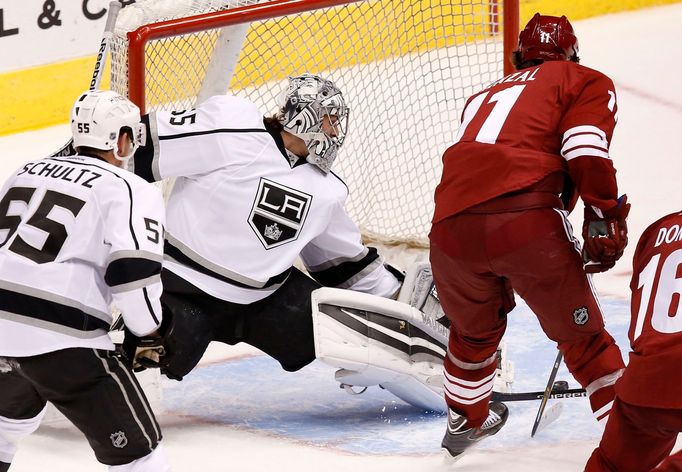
[[547, 38]]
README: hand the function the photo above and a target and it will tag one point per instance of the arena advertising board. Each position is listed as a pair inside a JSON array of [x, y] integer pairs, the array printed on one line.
[[37, 32]]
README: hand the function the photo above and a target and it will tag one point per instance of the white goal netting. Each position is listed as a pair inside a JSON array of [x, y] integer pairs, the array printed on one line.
[[405, 68]]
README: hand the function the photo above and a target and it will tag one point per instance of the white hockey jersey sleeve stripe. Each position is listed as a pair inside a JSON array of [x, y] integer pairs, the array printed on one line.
[[585, 151], [141, 283], [375, 279], [584, 141], [139, 254], [338, 261], [342, 272], [585, 130], [360, 275], [129, 270]]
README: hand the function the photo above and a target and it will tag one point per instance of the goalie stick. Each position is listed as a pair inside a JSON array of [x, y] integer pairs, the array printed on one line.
[[114, 8]]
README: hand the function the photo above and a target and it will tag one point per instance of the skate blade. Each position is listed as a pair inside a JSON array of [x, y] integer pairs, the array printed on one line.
[[448, 459]]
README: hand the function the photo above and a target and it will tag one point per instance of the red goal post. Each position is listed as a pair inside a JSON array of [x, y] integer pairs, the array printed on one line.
[[405, 67]]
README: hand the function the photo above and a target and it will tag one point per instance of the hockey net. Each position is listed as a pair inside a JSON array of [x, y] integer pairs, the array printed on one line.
[[405, 68]]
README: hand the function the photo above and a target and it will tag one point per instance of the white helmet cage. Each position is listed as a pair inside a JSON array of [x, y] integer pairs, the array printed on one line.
[[304, 104], [99, 116]]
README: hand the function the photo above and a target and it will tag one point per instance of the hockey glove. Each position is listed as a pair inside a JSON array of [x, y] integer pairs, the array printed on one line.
[[605, 236], [142, 353], [148, 351]]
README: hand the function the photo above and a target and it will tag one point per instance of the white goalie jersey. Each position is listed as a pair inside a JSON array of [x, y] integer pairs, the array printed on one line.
[[239, 214], [76, 235]]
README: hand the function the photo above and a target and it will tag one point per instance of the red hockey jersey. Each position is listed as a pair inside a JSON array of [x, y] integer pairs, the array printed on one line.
[[555, 117], [653, 376]]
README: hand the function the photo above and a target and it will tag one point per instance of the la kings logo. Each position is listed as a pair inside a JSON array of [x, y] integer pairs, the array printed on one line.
[[278, 213]]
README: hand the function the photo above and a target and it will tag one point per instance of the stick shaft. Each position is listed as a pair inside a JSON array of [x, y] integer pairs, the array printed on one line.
[[537, 395], [100, 62]]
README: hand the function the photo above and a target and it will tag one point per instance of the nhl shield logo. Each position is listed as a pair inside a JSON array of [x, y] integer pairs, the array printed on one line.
[[278, 213], [580, 316], [118, 439]]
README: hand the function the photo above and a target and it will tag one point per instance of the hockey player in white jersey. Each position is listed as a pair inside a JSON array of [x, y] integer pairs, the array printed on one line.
[[252, 195], [76, 234]]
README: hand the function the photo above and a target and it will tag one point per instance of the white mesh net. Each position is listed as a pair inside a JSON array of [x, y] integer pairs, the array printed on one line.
[[405, 68]]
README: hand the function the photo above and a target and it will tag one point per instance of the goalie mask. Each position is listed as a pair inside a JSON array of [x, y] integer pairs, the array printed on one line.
[[99, 117], [314, 110]]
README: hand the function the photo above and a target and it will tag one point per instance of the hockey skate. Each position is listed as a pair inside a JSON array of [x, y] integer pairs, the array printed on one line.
[[459, 438]]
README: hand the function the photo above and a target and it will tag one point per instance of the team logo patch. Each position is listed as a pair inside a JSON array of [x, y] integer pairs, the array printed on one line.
[[580, 316], [118, 439], [278, 213]]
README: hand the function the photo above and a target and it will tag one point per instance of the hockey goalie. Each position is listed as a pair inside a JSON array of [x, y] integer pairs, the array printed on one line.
[[249, 205]]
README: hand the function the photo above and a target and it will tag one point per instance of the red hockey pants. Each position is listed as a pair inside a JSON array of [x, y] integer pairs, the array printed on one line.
[[636, 439], [478, 261]]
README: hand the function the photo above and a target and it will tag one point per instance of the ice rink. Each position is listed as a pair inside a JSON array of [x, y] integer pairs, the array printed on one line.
[[239, 411]]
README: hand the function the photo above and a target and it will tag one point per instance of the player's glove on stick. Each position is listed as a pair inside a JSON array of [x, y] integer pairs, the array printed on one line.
[[145, 352], [605, 237], [142, 353]]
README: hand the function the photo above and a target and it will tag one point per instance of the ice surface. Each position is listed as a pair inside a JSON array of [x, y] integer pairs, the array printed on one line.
[[240, 411]]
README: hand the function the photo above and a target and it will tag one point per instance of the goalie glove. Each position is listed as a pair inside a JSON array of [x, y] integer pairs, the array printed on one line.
[[605, 236]]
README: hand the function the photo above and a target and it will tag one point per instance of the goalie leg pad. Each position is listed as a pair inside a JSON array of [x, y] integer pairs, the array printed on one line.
[[377, 341]]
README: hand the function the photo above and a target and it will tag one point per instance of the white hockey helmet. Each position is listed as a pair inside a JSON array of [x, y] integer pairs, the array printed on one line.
[[304, 105], [99, 116]]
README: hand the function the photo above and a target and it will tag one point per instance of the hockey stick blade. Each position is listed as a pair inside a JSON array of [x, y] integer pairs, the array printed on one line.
[[547, 393], [550, 415], [114, 7], [528, 396]]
